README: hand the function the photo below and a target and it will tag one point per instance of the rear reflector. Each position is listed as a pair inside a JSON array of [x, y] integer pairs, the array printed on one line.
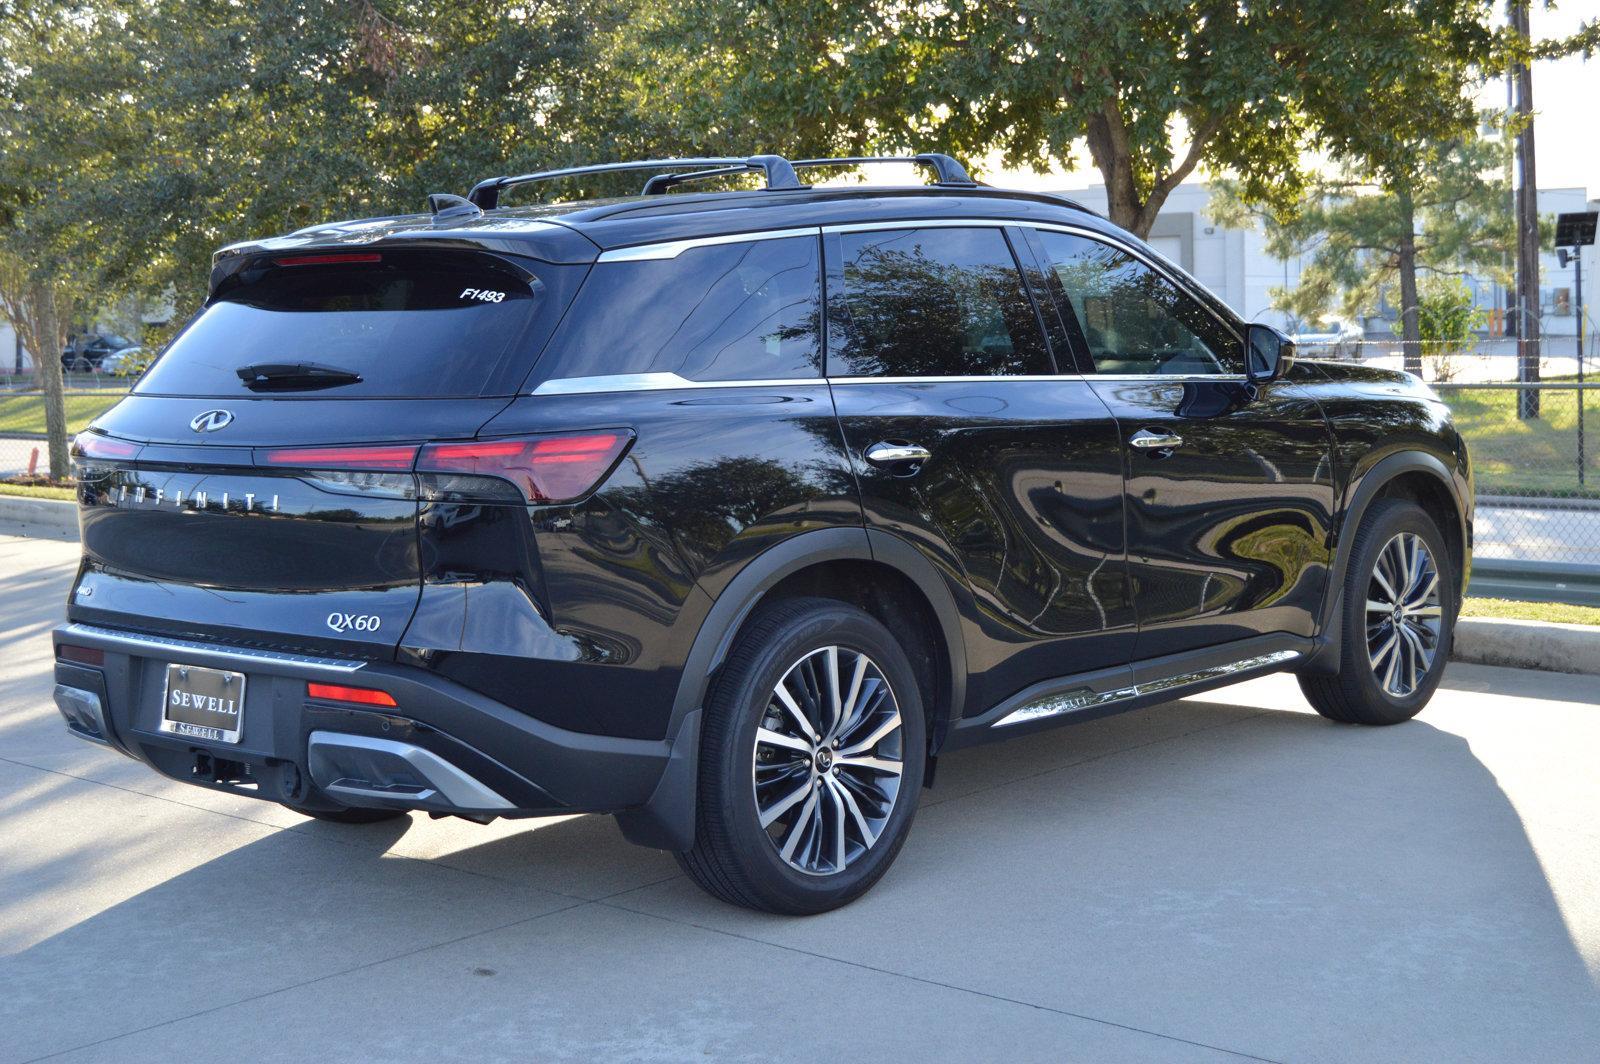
[[544, 468], [327, 260], [94, 445], [83, 655], [364, 696], [382, 456]]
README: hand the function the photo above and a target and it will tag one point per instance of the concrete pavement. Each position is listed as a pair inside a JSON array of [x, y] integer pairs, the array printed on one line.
[[1222, 878]]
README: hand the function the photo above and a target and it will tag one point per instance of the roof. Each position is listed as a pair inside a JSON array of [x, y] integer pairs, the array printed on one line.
[[579, 231]]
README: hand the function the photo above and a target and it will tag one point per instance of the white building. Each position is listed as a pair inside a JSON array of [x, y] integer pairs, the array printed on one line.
[[1235, 264]]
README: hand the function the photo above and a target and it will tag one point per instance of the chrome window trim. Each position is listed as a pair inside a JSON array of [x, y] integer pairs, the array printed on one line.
[[671, 249], [657, 382], [1021, 377]]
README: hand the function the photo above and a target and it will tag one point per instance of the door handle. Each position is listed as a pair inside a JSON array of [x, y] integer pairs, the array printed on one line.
[[1146, 440], [895, 453]]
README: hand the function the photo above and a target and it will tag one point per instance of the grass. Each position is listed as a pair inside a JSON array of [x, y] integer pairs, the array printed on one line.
[[1552, 612], [31, 491], [24, 411], [1539, 456]]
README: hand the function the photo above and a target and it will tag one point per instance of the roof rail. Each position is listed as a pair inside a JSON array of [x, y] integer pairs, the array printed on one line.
[[780, 174], [946, 171]]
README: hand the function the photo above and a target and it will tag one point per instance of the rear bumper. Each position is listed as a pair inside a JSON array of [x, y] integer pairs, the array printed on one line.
[[442, 748]]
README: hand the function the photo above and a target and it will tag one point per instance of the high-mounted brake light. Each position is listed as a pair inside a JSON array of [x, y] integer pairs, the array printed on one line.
[[545, 468], [328, 260], [94, 445], [365, 696], [390, 456]]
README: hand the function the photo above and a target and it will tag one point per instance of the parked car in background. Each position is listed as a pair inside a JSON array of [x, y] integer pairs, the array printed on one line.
[[730, 513], [1330, 338], [123, 362], [87, 351]]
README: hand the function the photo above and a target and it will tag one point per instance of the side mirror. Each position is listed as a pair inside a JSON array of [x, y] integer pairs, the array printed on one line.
[[1268, 353]]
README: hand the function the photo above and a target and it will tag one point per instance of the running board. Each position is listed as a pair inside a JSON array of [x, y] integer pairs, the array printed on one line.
[[1103, 692]]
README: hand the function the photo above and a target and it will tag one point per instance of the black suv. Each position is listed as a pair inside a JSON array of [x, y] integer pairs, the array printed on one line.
[[728, 513]]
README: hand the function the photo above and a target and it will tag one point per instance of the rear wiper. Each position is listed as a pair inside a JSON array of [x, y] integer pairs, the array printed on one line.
[[294, 376]]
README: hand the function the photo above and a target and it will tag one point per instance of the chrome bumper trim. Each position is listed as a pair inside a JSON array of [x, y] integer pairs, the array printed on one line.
[[448, 785], [145, 643]]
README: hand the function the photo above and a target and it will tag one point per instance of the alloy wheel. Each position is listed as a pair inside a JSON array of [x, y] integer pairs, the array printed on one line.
[[827, 761], [1404, 614]]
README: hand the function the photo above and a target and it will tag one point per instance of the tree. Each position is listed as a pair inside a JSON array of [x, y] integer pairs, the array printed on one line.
[[1442, 213], [1153, 88]]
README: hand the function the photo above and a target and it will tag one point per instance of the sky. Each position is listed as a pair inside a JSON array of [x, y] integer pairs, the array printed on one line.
[[1566, 97]]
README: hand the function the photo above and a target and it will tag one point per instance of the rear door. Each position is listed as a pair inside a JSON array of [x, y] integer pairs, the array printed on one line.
[[969, 444], [1229, 485], [257, 484]]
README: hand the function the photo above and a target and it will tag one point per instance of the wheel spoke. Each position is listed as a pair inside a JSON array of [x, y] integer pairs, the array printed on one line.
[[800, 824], [881, 732], [1374, 606], [786, 803], [768, 737], [854, 704], [795, 712], [1383, 651], [871, 764], [1426, 611], [1383, 581], [868, 836], [1424, 592], [832, 789], [835, 699]]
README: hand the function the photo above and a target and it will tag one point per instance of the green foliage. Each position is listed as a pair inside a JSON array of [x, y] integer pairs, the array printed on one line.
[[1152, 88], [1447, 316]]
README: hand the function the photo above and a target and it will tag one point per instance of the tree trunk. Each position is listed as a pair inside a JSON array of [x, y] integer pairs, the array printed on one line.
[[1527, 301], [1410, 312], [44, 331]]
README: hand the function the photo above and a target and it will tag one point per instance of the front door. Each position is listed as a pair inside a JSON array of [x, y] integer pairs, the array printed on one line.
[[1229, 484], [971, 447]]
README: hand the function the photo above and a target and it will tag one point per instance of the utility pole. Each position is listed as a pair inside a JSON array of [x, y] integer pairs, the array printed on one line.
[[1527, 301]]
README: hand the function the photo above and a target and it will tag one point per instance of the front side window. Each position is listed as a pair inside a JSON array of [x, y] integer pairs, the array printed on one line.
[[934, 302], [1132, 319], [723, 312]]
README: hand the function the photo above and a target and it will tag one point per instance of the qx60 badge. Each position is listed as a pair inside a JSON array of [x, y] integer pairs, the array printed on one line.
[[211, 420]]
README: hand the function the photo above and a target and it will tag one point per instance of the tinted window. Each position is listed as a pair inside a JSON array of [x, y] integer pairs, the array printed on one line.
[[932, 302], [725, 312], [1133, 320], [407, 325]]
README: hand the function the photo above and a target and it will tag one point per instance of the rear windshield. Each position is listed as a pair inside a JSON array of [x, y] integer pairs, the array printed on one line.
[[405, 324]]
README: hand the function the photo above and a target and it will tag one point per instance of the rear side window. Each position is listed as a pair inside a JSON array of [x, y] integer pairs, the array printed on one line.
[[750, 310], [935, 302], [404, 324]]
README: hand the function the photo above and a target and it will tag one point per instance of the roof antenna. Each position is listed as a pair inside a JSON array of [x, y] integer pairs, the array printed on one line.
[[445, 206]]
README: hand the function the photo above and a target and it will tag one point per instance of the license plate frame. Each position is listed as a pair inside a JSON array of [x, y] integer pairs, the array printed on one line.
[[210, 699]]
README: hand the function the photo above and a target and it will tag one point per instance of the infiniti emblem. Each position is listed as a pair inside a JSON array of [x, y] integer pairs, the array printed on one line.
[[211, 421]]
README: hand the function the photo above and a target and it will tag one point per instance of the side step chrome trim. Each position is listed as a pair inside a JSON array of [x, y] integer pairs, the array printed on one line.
[[145, 643], [1081, 698], [447, 785]]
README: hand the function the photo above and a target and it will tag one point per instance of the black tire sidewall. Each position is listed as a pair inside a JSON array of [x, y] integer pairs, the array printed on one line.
[[1387, 519], [743, 696]]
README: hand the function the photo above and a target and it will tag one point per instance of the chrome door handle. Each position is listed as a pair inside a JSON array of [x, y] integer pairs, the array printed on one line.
[[1146, 440], [889, 454]]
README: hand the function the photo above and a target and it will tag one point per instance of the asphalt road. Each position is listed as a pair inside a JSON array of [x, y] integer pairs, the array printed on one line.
[[1222, 878]]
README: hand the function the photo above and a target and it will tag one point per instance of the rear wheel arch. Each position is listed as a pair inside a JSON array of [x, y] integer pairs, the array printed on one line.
[[876, 571]]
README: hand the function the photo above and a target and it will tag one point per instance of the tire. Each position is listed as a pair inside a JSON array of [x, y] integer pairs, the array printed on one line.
[[859, 809], [349, 814], [1380, 682]]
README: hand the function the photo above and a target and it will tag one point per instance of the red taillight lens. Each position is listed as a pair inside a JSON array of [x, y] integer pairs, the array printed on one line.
[[84, 655], [94, 445], [545, 468], [398, 457], [365, 696], [328, 260]]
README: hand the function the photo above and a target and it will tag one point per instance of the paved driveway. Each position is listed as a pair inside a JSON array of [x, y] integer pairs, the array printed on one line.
[[1221, 878]]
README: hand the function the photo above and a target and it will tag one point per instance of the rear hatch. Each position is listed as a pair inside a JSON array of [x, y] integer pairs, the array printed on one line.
[[258, 485]]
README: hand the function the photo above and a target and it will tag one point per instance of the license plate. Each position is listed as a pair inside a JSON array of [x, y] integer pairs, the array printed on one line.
[[203, 703]]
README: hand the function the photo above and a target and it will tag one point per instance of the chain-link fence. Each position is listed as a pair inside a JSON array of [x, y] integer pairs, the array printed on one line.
[[23, 446]]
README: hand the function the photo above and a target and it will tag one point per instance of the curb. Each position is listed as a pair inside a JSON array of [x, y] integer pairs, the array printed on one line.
[[1573, 648], [47, 518]]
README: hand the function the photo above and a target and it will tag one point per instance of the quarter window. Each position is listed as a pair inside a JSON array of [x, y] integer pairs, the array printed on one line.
[[1132, 319], [723, 312], [934, 302]]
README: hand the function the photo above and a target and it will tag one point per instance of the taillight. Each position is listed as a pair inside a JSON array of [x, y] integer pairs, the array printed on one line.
[[82, 655], [544, 468], [328, 260], [94, 445], [364, 696], [397, 457]]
